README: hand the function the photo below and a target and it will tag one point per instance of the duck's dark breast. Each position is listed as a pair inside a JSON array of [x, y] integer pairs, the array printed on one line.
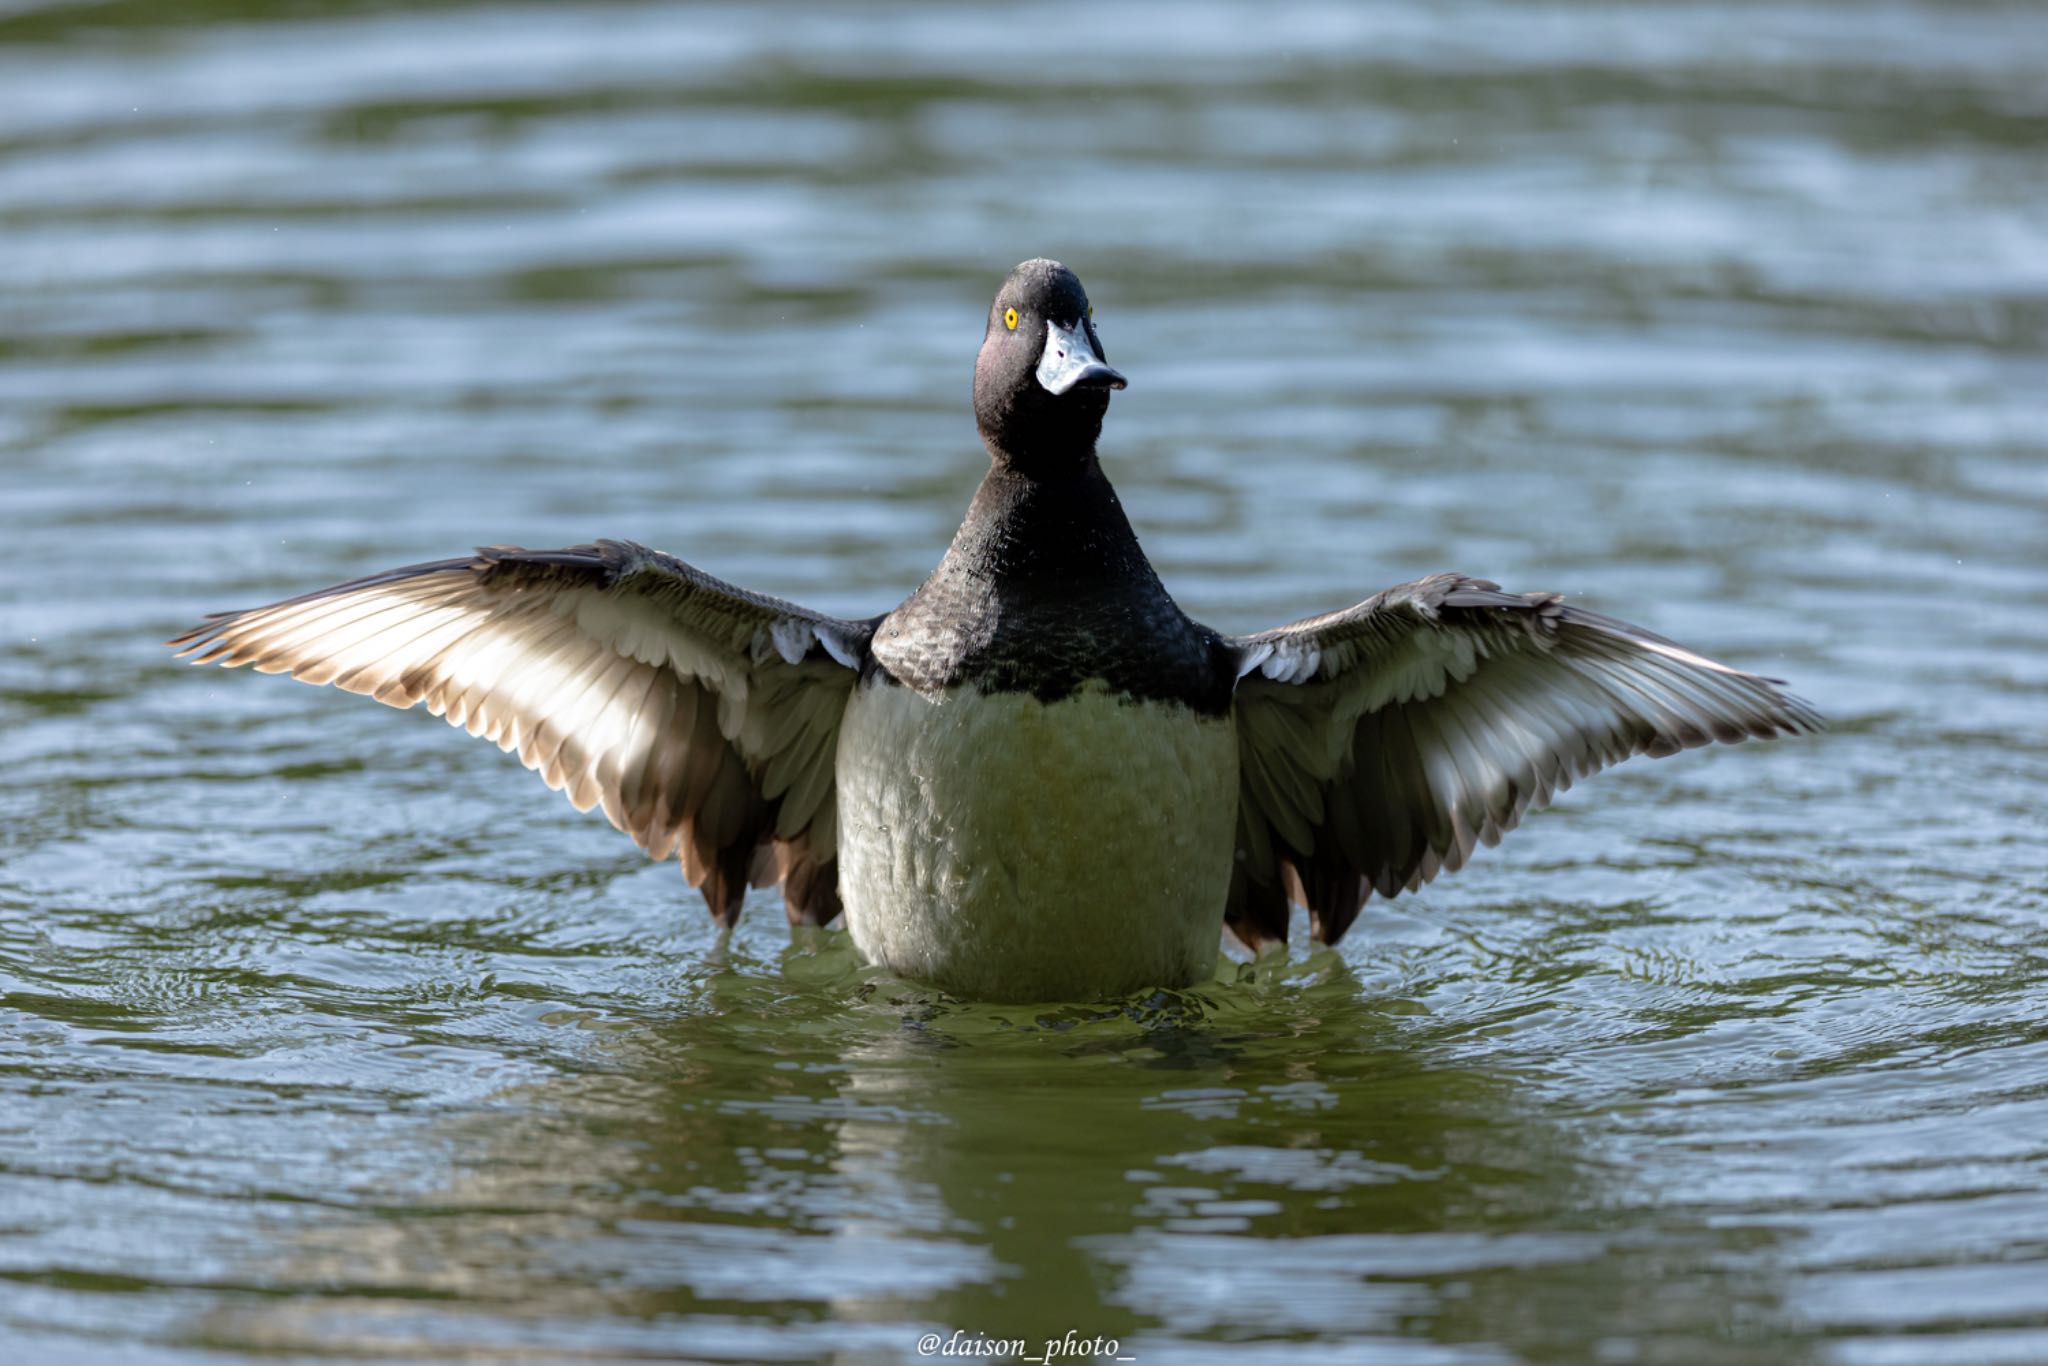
[[956, 634], [1045, 591]]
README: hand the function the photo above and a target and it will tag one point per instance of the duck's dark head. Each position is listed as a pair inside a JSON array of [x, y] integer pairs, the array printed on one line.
[[1041, 384]]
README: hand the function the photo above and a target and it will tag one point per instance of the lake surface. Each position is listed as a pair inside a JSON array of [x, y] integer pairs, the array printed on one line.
[[329, 1033]]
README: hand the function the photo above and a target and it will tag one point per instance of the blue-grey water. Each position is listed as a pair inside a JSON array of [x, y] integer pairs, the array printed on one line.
[[327, 1033]]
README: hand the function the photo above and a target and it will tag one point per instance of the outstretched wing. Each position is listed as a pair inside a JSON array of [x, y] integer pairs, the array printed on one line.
[[701, 717], [1380, 744]]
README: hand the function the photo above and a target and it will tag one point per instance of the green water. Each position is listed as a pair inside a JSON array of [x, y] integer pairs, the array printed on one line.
[[328, 1034]]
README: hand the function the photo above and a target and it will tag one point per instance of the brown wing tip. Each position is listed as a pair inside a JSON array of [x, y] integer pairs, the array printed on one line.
[[1805, 718], [191, 636]]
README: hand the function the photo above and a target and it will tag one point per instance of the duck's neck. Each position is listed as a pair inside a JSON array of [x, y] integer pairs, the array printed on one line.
[[1061, 526]]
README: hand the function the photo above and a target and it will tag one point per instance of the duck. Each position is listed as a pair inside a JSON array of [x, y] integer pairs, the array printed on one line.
[[1036, 779]]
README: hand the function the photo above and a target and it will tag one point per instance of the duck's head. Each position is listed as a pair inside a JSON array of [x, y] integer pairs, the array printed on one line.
[[1041, 384]]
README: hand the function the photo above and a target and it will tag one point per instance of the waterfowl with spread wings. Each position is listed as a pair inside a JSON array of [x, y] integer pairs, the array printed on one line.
[[1037, 778]]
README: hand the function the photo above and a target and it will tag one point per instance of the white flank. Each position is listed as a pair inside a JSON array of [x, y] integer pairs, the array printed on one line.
[[1007, 849]]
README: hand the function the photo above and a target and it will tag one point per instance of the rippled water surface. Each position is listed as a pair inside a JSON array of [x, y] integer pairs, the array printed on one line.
[[327, 1032]]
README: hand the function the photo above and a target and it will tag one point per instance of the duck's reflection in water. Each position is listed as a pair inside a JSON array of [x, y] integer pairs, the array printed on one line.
[[833, 1171]]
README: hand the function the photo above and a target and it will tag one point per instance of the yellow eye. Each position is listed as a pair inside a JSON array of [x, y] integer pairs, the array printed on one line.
[[1091, 313], [1010, 319]]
